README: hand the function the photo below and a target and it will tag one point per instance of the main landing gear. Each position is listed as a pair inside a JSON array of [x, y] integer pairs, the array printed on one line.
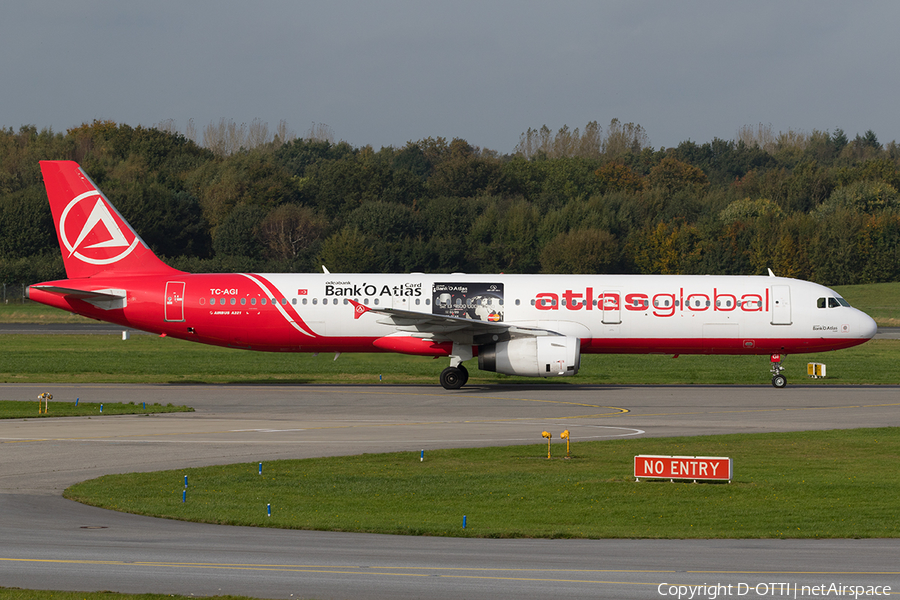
[[778, 380], [453, 378]]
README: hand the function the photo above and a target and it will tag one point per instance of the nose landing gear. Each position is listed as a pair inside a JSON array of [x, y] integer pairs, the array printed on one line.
[[778, 380]]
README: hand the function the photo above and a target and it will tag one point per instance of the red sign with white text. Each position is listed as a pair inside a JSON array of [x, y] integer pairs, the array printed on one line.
[[715, 468]]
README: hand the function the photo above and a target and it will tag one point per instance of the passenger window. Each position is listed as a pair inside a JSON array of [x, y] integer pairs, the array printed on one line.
[[427, 301], [222, 301], [264, 301], [202, 301], [376, 301], [233, 301], [315, 301], [304, 302], [243, 302], [294, 301], [252, 301]]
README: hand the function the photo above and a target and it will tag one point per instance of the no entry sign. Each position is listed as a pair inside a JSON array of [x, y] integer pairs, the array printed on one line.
[[714, 468]]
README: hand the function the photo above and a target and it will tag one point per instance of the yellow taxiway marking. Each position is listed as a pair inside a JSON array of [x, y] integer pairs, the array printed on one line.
[[559, 575]]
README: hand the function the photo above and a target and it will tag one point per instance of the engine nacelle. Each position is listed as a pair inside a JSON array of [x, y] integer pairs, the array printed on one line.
[[543, 356]]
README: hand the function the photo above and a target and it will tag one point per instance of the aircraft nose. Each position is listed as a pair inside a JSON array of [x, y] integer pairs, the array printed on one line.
[[867, 326]]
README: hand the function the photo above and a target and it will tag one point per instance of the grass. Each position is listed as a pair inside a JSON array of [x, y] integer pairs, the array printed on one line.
[[150, 359], [881, 301], [17, 409], [32, 312], [822, 484]]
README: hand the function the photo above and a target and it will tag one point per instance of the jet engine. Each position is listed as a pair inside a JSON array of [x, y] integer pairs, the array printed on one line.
[[542, 356]]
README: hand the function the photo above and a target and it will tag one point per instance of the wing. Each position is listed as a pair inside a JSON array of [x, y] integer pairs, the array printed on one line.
[[441, 328]]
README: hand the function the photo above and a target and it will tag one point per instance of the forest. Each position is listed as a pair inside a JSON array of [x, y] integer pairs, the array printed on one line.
[[818, 206]]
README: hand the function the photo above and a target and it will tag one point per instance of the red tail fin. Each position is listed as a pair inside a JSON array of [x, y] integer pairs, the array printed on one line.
[[93, 236]]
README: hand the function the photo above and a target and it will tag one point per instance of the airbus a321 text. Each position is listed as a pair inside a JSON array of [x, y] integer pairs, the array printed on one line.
[[531, 325]]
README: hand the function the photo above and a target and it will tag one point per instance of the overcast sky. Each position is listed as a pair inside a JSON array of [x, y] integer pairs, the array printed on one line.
[[384, 73]]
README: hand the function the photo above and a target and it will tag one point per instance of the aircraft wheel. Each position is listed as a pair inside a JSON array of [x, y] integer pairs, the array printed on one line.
[[779, 381], [464, 372], [453, 378]]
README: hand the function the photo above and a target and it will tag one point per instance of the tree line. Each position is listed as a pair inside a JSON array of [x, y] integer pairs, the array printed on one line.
[[817, 206]]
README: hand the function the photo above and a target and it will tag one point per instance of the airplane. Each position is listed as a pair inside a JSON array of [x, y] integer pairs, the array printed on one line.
[[529, 325]]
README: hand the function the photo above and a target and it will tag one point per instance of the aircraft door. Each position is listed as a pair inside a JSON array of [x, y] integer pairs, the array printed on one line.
[[781, 305], [612, 307], [175, 301]]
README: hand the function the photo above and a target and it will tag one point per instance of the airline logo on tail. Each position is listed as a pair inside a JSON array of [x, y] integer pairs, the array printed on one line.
[[101, 237]]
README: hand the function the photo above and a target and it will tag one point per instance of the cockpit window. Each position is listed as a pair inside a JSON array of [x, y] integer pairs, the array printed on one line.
[[831, 302]]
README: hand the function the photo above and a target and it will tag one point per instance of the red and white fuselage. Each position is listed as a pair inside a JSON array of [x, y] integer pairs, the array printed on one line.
[[675, 314], [113, 276]]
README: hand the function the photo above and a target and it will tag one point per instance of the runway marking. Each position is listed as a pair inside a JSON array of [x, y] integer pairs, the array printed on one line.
[[264, 430], [479, 573], [619, 413], [355, 425], [630, 431]]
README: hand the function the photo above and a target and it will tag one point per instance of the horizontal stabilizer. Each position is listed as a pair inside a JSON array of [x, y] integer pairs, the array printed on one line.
[[106, 299]]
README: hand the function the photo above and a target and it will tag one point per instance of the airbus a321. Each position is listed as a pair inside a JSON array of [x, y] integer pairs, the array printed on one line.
[[530, 325]]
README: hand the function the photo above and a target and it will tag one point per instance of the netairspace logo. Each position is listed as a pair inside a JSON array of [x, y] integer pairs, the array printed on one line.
[[771, 590]]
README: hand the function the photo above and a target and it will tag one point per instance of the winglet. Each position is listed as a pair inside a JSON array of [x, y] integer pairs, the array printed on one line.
[[358, 309]]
